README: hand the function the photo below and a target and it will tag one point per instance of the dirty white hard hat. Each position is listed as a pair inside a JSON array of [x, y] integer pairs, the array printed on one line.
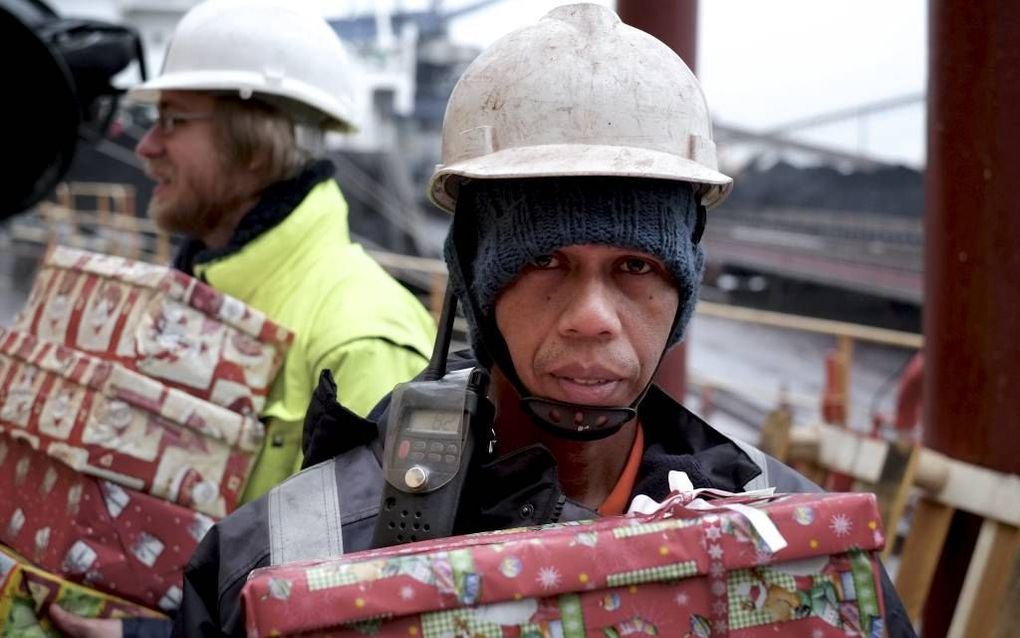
[[579, 93], [284, 54]]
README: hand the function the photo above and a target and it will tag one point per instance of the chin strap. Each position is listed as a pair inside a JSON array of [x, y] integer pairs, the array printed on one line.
[[575, 421]]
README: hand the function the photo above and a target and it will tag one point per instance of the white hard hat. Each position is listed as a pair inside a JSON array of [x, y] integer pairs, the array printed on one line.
[[281, 53], [578, 93]]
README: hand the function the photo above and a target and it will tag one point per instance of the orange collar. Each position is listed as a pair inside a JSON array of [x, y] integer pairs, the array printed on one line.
[[616, 502]]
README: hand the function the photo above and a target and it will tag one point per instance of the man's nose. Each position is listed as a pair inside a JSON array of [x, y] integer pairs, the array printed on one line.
[[150, 145], [590, 310]]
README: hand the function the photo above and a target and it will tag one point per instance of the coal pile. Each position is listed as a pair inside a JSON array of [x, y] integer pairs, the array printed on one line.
[[896, 190]]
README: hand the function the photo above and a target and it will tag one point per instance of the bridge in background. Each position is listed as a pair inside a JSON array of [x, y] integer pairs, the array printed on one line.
[[881, 255]]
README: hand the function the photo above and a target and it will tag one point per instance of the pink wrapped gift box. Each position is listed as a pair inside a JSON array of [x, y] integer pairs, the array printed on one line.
[[95, 532], [679, 572], [110, 422], [158, 321]]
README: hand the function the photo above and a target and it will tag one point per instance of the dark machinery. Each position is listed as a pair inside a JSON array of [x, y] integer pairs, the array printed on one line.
[[57, 93]]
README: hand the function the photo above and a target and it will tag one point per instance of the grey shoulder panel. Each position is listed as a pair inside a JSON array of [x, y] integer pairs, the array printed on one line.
[[774, 474], [764, 479], [304, 516]]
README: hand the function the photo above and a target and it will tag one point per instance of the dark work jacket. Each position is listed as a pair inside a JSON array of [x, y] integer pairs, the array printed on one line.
[[519, 489]]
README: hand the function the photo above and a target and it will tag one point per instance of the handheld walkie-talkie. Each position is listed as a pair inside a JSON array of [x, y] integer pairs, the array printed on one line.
[[431, 433]]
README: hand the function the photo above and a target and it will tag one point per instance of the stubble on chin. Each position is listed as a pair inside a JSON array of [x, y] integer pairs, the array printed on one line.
[[180, 218]]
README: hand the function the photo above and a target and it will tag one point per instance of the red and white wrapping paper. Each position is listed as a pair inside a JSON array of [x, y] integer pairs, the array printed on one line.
[[680, 572], [95, 532], [110, 422], [160, 322]]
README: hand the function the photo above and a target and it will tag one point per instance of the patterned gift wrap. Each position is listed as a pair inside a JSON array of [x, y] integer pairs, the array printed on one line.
[[679, 572], [105, 420], [26, 594], [157, 321], [95, 532]]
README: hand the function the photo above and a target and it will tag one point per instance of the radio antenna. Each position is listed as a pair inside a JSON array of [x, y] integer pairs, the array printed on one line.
[[437, 364]]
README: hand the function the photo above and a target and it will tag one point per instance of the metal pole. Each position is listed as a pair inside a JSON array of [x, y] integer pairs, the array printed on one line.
[[675, 23], [972, 282], [972, 264]]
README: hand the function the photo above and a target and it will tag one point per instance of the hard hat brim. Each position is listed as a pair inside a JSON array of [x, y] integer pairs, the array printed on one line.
[[577, 160], [237, 82]]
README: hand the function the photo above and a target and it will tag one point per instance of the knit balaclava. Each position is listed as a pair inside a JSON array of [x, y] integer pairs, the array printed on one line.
[[512, 222]]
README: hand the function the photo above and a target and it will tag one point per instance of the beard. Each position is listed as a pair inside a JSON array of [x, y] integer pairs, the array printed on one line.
[[193, 208], [192, 217]]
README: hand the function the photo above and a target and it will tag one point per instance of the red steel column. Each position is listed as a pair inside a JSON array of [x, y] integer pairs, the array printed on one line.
[[675, 22], [972, 262]]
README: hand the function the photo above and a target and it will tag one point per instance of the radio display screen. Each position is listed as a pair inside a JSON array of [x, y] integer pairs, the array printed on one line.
[[434, 422]]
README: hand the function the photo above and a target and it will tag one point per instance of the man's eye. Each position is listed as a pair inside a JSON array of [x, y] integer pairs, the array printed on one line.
[[635, 266], [544, 262]]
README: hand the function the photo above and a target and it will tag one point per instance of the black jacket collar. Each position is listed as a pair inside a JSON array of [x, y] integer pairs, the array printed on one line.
[[677, 439]]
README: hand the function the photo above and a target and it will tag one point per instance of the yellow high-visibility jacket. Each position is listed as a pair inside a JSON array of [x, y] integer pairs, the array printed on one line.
[[347, 315]]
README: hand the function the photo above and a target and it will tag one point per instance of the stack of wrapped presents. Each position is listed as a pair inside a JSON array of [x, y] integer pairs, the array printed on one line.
[[129, 396], [741, 566]]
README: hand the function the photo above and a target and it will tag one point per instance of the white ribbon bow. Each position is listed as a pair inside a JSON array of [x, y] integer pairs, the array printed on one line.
[[682, 489]]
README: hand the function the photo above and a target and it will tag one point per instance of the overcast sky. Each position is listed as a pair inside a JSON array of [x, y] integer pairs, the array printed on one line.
[[763, 64]]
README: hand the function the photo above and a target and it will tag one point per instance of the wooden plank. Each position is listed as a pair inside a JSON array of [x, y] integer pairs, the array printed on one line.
[[964, 486], [808, 324], [407, 262], [894, 486], [1009, 610], [852, 453], [845, 354], [775, 434], [987, 579], [979, 490], [921, 555]]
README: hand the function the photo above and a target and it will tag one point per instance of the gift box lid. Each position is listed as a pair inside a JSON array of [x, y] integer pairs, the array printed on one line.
[[177, 285], [510, 565]]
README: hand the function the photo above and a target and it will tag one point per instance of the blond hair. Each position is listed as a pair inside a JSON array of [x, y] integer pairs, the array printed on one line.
[[253, 133]]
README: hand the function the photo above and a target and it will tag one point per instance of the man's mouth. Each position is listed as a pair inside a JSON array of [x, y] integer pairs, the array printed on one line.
[[163, 181], [590, 382], [588, 386], [162, 184]]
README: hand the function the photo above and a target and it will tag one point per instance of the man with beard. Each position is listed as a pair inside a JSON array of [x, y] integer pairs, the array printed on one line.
[[247, 92], [579, 164]]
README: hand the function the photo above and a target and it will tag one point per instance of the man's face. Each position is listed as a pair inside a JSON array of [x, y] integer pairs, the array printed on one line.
[[588, 324], [195, 185]]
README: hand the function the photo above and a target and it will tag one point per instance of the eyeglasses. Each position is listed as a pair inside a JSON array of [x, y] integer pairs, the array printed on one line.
[[168, 121]]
